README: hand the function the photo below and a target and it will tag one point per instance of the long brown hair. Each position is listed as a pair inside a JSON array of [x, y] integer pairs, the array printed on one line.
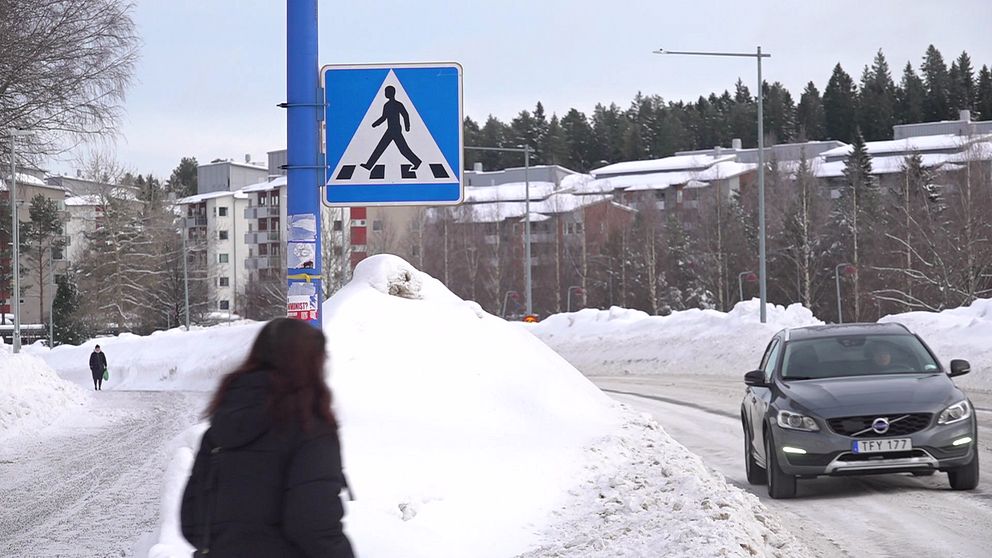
[[293, 354]]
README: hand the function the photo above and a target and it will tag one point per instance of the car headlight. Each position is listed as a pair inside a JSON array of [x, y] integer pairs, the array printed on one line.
[[795, 421], [955, 413]]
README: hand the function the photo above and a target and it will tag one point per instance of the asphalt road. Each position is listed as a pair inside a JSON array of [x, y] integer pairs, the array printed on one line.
[[881, 515]]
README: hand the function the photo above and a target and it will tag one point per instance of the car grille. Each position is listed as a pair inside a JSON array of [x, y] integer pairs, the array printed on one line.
[[851, 426]]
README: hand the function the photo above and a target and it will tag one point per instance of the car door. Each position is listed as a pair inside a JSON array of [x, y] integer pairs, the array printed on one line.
[[761, 396]]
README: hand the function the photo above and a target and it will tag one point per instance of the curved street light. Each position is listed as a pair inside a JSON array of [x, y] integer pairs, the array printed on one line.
[[748, 276], [578, 290]]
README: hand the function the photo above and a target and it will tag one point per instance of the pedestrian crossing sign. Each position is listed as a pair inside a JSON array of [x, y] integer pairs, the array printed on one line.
[[393, 134]]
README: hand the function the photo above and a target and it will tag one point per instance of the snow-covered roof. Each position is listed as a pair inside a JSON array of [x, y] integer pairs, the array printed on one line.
[[881, 165], [641, 182], [676, 163], [725, 169], [512, 191], [200, 198], [940, 142], [29, 180], [273, 184], [564, 202], [490, 212]]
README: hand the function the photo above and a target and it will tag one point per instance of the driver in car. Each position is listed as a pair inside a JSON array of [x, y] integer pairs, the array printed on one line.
[[881, 357]]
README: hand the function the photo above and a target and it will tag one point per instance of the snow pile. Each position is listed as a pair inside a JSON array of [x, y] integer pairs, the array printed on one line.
[[31, 394], [466, 436], [165, 360], [964, 332], [647, 495], [621, 341]]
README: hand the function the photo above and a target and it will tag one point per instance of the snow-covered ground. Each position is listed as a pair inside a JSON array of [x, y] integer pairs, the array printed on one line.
[[165, 360], [465, 436], [621, 342], [32, 395]]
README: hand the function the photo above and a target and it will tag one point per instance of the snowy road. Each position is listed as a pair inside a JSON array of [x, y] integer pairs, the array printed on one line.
[[89, 484], [884, 515]]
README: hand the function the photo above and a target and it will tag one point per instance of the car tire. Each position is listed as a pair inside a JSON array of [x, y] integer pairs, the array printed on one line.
[[965, 478], [780, 485], [755, 474]]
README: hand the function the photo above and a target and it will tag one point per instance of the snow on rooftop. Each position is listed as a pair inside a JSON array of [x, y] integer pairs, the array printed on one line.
[[511, 191], [881, 165], [939, 142], [641, 182], [565, 202], [676, 163], [200, 198], [271, 184]]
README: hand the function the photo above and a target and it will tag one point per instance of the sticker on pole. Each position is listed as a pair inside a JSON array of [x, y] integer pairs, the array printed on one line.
[[394, 134], [301, 301]]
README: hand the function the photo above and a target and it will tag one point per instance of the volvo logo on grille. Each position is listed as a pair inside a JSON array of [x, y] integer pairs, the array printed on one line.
[[880, 425]]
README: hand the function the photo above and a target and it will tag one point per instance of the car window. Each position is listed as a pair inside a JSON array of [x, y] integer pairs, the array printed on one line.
[[857, 355], [771, 358]]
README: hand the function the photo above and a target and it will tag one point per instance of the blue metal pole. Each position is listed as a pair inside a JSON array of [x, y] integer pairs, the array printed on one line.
[[304, 164]]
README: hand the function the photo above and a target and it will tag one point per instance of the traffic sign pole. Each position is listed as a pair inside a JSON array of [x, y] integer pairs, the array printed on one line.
[[304, 165]]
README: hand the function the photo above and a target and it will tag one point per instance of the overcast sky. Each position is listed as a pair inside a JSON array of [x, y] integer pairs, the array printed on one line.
[[212, 71]]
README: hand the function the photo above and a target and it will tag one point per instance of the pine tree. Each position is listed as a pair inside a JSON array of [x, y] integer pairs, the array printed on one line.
[[840, 106], [578, 137], [910, 97], [42, 236], [472, 136], [876, 112], [744, 116], [779, 113], [983, 101], [811, 120], [494, 134], [67, 326], [962, 84], [183, 179], [937, 105], [553, 145], [609, 127], [857, 212]]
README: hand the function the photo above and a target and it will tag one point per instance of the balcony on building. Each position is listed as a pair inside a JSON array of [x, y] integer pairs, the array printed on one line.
[[261, 237], [263, 262], [261, 211]]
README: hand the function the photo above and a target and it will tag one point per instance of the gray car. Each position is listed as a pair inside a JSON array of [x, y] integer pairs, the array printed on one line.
[[853, 400]]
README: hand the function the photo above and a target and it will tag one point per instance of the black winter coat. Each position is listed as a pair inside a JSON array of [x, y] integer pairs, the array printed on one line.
[[261, 489], [98, 361]]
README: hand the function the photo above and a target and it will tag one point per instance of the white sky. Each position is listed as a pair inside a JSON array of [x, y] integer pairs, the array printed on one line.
[[212, 71]]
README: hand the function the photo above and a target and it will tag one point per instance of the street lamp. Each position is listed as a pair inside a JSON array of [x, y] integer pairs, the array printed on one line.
[[578, 290], [848, 270], [15, 240], [525, 149], [509, 294], [762, 268], [748, 276]]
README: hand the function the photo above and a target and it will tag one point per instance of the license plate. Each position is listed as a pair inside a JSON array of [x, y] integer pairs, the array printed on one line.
[[879, 446]]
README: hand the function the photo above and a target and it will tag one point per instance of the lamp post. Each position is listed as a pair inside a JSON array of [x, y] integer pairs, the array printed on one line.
[[509, 294], [185, 232], [525, 149], [748, 276], [762, 268], [15, 241], [848, 270], [578, 290]]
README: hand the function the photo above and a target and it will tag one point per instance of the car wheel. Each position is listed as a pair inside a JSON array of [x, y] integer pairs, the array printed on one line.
[[755, 474], [965, 478], [780, 485]]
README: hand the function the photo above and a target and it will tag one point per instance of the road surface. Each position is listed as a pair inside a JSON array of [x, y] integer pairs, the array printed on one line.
[[89, 485], [873, 516]]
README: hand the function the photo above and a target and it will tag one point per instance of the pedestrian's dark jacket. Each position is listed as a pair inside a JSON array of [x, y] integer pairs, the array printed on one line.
[[98, 361], [260, 488]]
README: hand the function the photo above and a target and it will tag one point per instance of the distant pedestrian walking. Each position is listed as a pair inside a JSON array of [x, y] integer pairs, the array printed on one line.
[[391, 113], [98, 367], [267, 477]]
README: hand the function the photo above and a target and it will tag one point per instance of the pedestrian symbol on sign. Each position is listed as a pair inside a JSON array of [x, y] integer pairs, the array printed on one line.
[[391, 113]]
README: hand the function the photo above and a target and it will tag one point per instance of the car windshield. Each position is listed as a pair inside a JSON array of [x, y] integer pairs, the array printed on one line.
[[856, 355]]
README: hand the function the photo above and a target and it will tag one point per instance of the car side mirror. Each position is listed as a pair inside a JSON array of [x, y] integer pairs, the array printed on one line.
[[960, 367], [755, 378]]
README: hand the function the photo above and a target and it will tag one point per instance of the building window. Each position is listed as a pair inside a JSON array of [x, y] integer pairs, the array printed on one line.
[[678, 196], [275, 199], [222, 258], [376, 224], [274, 249], [263, 224], [57, 254], [261, 199], [221, 235], [336, 250], [222, 211], [224, 304], [223, 282], [263, 249], [337, 225]]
